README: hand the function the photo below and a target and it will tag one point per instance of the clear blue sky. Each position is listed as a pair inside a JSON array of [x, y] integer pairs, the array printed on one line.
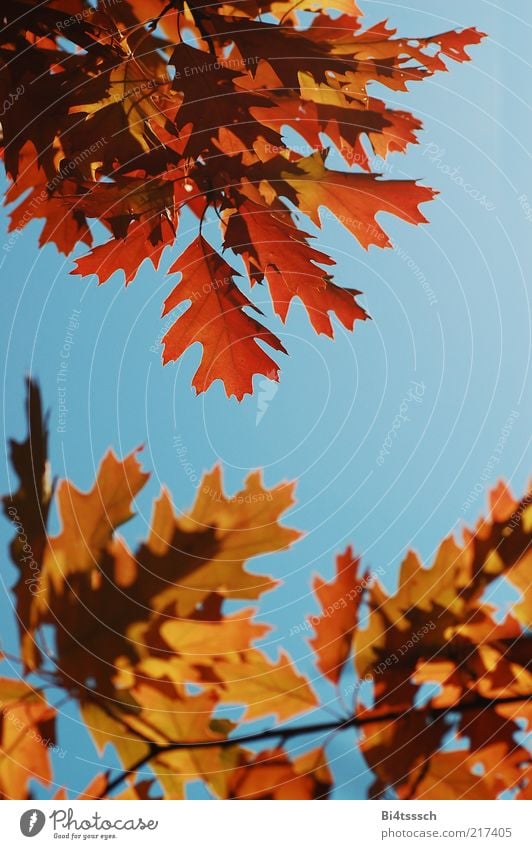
[[467, 343]]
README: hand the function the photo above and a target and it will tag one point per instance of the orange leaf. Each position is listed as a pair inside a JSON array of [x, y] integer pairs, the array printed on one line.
[[217, 320], [273, 247], [27, 724], [355, 199], [340, 600]]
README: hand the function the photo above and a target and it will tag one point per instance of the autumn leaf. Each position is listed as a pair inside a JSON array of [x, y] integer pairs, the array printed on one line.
[[27, 511], [131, 629], [355, 199], [141, 242], [168, 716], [149, 110], [339, 601], [168, 663], [290, 266], [273, 775], [64, 225], [217, 320], [438, 629], [266, 687], [89, 519], [27, 733]]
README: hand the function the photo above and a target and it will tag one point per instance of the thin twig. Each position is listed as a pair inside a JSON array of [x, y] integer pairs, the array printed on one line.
[[361, 720]]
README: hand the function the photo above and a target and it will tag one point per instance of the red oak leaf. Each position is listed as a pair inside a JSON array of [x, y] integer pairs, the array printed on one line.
[[217, 320]]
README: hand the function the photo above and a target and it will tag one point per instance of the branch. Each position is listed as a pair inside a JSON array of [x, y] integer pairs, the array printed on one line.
[[361, 720]]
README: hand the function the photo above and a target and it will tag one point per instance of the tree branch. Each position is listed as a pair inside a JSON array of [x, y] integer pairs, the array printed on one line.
[[358, 721]]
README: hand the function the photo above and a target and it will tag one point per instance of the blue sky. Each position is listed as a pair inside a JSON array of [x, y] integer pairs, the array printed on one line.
[[451, 316]]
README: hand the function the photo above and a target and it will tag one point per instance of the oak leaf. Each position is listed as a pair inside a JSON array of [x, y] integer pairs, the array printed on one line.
[[217, 320], [27, 733], [148, 110], [340, 600], [141, 639]]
